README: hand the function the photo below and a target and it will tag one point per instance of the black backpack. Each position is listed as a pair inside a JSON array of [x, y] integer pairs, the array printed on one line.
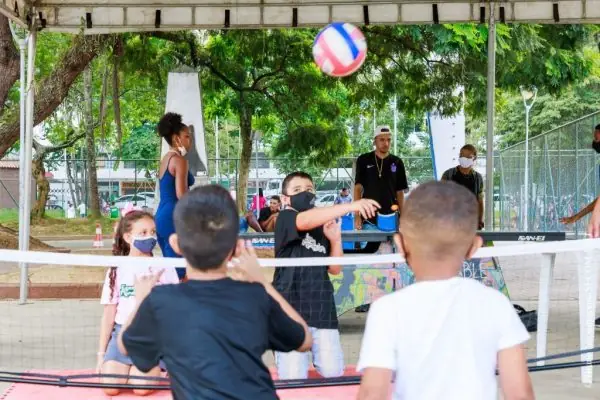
[[529, 318], [478, 178]]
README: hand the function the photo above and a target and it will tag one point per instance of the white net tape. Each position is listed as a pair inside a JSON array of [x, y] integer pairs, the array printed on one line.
[[558, 279], [34, 257]]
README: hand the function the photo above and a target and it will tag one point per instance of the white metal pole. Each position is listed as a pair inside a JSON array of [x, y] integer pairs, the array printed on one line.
[[395, 124], [256, 169], [28, 144], [374, 120], [526, 181], [217, 150], [491, 105], [22, 100]]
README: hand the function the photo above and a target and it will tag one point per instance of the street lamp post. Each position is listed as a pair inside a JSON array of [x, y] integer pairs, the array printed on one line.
[[395, 103], [529, 95]]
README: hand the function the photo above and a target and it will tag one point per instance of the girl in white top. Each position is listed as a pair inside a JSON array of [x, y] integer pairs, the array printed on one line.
[[135, 236]]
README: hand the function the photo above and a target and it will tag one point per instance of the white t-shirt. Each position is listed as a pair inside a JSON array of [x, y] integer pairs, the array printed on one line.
[[441, 339], [124, 290], [81, 208]]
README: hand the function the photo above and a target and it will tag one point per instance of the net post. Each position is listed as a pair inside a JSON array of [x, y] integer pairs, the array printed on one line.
[[546, 276], [588, 291], [491, 104], [24, 230]]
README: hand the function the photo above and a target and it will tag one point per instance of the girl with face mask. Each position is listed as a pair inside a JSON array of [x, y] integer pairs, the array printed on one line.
[[174, 179], [135, 236]]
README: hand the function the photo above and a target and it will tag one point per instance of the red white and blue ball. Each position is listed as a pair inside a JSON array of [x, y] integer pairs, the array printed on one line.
[[340, 49]]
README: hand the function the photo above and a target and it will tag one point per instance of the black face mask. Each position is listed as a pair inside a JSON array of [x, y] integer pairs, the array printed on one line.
[[302, 201], [596, 146]]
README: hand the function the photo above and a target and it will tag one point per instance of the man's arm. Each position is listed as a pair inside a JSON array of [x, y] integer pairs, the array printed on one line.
[[594, 224], [400, 200], [358, 192], [582, 213], [401, 185]]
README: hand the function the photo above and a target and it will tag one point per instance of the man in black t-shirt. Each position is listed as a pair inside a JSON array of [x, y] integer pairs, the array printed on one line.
[[212, 331], [380, 176], [268, 215], [305, 231]]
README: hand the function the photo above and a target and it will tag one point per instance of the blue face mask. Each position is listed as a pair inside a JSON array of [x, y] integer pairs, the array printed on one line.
[[144, 244]]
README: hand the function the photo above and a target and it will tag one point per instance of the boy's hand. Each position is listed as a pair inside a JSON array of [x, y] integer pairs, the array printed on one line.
[[366, 207], [245, 264], [332, 231], [144, 284]]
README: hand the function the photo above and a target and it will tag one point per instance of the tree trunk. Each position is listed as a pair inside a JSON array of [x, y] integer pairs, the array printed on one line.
[[43, 188], [355, 132], [72, 184], [117, 105], [94, 199], [103, 104], [51, 91], [246, 137], [9, 61]]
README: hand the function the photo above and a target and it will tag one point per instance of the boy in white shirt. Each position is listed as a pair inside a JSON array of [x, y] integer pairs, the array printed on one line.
[[445, 336]]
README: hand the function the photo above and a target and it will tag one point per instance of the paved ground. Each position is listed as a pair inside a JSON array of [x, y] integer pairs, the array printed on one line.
[[63, 334]]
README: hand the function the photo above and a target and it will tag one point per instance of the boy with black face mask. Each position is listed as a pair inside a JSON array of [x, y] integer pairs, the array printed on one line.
[[305, 231]]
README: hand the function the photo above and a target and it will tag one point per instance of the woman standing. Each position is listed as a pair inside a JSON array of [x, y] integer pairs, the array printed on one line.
[[174, 179]]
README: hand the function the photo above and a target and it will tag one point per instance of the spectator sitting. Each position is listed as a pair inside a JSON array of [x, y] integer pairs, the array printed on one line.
[[268, 215]]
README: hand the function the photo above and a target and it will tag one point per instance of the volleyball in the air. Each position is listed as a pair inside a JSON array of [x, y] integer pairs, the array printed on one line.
[[340, 49]]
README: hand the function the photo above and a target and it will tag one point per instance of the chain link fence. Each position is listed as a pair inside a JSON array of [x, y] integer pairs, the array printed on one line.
[[563, 179], [134, 181]]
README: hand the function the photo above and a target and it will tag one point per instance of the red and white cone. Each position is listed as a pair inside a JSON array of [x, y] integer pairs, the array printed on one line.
[[98, 240]]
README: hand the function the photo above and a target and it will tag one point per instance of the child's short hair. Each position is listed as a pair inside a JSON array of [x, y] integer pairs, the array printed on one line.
[[471, 148], [207, 226], [297, 174], [441, 218]]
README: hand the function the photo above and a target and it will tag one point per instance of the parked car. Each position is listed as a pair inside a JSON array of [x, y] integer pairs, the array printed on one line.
[[325, 201], [138, 200]]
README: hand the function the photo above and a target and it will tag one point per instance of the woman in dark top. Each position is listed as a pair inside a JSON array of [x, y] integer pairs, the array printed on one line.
[[174, 179]]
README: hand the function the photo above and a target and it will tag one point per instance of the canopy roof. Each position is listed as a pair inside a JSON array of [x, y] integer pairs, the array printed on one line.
[[104, 16]]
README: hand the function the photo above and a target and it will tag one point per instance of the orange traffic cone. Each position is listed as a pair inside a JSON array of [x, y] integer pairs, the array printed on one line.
[[98, 241]]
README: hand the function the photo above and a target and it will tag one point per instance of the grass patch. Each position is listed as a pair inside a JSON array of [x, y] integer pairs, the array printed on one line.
[[55, 224]]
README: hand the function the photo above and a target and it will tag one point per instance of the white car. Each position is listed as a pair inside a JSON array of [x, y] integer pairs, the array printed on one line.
[[325, 201], [138, 200]]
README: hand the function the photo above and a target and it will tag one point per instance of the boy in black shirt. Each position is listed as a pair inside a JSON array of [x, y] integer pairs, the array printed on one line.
[[465, 175], [304, 231], [212, 331]]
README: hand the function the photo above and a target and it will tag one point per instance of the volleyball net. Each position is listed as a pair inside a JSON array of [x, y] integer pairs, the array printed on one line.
[[54, 341]]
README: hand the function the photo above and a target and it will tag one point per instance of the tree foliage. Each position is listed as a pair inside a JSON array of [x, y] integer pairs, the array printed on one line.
[[266, 80]]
